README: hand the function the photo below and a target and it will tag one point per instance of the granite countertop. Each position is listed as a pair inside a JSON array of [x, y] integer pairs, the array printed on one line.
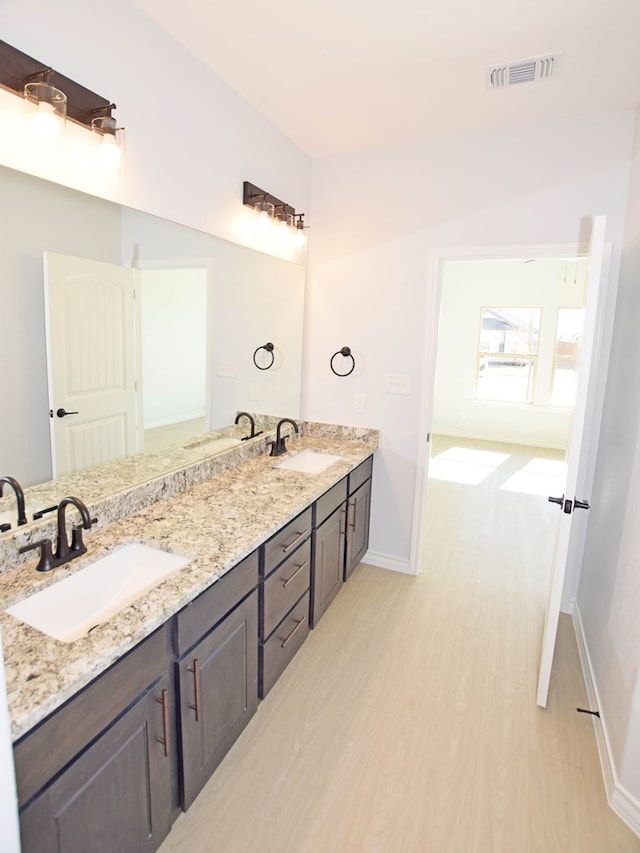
[[217, 523]]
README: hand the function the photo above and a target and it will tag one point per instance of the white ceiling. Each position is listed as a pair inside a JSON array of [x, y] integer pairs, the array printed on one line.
[[347, 75]]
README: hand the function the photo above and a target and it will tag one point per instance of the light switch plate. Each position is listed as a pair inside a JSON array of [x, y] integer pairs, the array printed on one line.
[[228, 369], [397, 383], [359, 403]]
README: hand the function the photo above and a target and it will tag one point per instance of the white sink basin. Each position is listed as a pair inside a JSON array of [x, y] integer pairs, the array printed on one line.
[[213, 445], [308, 462], [69, 609]]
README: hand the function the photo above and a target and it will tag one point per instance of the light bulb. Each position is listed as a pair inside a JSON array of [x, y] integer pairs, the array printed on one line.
[[299, 239], [109, 154], [46, 125]]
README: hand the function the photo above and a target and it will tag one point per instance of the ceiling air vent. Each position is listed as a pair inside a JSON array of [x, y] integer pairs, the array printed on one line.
[[522, 71]]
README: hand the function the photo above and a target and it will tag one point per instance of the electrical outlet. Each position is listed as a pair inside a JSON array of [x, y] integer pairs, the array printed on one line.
[[359, 403], [397, 383], [228, 369]]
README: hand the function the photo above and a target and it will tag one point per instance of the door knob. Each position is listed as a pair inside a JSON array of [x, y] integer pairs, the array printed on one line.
[[580, 504], [62, 413], [559, 501]]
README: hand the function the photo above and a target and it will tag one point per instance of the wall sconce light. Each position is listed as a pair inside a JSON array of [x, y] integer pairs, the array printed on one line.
[[289, 225], [57, 98], [109, 151], [51, 107]]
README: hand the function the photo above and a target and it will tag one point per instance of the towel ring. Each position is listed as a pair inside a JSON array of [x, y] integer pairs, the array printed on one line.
[[346, 352], [268, 347]]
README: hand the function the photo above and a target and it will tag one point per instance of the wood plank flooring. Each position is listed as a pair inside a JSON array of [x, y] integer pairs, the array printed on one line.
[[407, 723]]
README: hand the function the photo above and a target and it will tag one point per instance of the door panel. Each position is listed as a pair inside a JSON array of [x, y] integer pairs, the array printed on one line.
[[90, 305], [577, 460]]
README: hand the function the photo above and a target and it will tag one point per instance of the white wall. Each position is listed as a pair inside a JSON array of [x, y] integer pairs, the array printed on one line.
[[609, 592], [467, 287], [379, 220]]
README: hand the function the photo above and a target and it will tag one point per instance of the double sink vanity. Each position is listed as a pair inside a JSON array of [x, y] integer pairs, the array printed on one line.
[[196, 590]]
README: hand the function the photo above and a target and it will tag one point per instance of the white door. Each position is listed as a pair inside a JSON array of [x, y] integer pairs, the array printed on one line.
[[89, 312], [576, 462]]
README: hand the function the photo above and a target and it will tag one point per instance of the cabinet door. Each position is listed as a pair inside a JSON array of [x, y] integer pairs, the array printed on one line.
[[328, 563], [218, 683], [119, 794], [358, 508]]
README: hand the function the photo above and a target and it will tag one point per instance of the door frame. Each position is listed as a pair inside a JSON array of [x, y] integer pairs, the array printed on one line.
[[437, 260]]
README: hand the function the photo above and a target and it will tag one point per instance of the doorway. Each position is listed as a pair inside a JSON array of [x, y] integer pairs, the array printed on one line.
[[467, 286]]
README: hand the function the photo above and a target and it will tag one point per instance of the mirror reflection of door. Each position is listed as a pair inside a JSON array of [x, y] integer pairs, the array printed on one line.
[[173, 325], [90, 361]]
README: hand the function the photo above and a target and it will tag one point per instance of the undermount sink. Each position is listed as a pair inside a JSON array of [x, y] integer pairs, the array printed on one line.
[[69, 609], [308, 462], [213, 445]]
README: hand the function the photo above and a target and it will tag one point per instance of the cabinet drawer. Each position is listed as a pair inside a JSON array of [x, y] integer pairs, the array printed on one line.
[[45, 750], [284, 587], [360, 474], [330, 501], [285, 641], [286, 540], [205, 611]]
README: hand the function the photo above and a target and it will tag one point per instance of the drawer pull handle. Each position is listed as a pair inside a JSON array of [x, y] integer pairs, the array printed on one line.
[[352, 505], [164, 701], [298, 538], [287, 581], [290, 635], [196, 688]]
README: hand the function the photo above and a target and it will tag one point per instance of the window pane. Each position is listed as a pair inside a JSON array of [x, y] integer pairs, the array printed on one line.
[[565, 375], [565, 380], [510, 330], [504, 379]]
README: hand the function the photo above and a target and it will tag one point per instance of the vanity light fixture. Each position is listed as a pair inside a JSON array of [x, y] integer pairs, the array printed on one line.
[[289, 224], [56, 97]]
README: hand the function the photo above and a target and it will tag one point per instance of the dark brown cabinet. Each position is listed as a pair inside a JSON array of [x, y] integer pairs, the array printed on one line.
[[218, 688], [284, 598], [118, 794], [100, 773]]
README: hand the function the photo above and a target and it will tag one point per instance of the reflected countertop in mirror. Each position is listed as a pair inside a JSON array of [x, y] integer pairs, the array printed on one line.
[[97, 483]]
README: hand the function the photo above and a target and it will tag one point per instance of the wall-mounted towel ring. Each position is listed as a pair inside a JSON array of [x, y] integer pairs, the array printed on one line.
[[268, 347], [346, 352]]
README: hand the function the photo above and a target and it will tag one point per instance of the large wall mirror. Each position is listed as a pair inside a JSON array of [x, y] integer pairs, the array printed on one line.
[[208, 305]]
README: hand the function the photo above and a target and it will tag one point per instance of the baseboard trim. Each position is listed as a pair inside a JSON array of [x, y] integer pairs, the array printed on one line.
[[504, 438], [385, 561], [624, 804]]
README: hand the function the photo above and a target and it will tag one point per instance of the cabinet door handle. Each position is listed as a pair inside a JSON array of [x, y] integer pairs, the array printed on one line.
[[287, 581], [343, 522], [196, 688], [298, 538], [352, 505], [164, 701], [290, 635]]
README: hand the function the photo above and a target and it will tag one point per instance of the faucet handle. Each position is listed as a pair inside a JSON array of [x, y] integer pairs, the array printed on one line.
[[77, 543], [46, 562]]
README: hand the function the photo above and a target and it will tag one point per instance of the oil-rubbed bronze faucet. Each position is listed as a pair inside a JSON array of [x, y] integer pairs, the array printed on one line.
[[64, 552], [17, 488], [278, 447], [249, 417]]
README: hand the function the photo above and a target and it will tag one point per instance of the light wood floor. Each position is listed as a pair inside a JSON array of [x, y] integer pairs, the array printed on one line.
[[407, 723]]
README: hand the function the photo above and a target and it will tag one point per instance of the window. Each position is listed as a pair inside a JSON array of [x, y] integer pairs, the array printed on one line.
[[565, 361], [507, 354]]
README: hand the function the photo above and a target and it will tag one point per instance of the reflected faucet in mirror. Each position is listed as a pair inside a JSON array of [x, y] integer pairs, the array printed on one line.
[[64, 552], [249, 417], [17, 488]]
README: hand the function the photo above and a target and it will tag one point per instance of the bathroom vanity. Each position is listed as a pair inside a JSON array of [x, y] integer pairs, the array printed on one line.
[[118, 731]]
